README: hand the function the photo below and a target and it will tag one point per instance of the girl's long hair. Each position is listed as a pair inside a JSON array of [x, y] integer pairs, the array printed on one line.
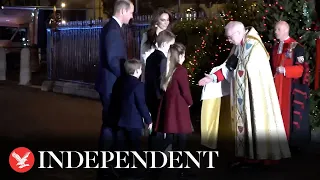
[[175, 51], [152, 31]]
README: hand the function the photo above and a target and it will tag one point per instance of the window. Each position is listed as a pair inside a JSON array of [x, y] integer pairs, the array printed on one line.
[[6, 33], [21, 36]]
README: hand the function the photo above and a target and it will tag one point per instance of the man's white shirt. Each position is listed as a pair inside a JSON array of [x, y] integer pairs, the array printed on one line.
[[118, 21]]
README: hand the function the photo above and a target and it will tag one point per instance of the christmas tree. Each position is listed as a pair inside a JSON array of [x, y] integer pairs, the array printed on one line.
[[213, 48], [298, 13]]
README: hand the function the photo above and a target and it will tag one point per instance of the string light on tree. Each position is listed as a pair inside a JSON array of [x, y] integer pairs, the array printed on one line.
[[302, 28], [213, 48]]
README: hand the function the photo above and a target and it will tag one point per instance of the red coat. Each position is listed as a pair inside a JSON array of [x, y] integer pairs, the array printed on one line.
[[283, 83], [173, 114]]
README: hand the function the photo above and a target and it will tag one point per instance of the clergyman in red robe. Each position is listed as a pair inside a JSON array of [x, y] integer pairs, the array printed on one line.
[[291, 76]]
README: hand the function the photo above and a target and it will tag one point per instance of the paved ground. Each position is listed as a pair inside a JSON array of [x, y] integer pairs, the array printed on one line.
[[43, 120], [36, 77]]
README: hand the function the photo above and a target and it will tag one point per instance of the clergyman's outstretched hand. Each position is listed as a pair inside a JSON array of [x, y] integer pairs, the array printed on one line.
[[204, 81]]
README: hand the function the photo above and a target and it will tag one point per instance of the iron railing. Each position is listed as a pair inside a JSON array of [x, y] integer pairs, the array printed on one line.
[[72, 49]]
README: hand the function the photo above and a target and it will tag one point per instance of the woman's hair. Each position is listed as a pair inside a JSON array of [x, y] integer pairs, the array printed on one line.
[[151, 32], [175, 51]]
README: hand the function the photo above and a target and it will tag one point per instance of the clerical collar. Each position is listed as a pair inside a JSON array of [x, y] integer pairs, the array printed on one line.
[[286, 39], [118, 21], [246, 33], [280, 48]]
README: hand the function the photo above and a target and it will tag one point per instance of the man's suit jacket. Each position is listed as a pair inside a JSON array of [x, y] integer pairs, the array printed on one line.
[[128, 105], [113, 53], [155, 66]]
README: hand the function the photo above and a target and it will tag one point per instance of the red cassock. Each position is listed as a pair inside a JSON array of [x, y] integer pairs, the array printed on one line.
[[289, 56]]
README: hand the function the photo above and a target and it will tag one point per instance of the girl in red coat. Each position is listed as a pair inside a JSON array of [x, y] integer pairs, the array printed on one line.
[[174, 116]]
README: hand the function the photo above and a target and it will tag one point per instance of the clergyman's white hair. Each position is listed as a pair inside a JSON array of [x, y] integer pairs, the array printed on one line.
[[235, 25]]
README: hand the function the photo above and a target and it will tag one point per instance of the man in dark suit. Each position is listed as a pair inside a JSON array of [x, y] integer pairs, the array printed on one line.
[[113, 53]]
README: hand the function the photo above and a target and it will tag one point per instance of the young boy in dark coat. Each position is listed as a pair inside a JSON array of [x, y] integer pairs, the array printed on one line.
[[129, 108], [155, 66]]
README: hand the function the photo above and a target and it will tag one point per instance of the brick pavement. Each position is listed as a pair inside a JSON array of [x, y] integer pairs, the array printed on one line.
[[44, 120]]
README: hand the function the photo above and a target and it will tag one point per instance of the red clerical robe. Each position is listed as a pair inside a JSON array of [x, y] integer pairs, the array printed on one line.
[[288, 54]]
